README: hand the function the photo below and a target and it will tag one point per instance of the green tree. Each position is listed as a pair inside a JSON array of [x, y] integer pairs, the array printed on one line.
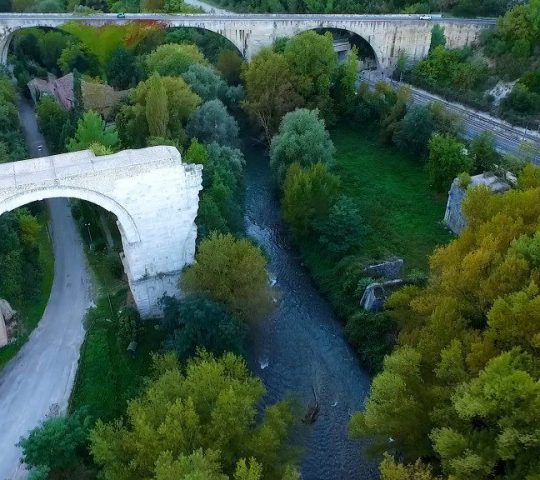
[[438, 38], [174, 59], [157, 108], [308, 196], [415, 129], [229, 63], [77, 57], [212, 123], [131, 119], [270, 91], [210, 406], [205, 82], [313, 64], [447, 158], [51, 119], [500, 415], [91, 129], [343, 230], [122, 70], [484, 153], [347, 76], [58, 443], [302, 138], [198, 322], [232, 271], [51, 44]]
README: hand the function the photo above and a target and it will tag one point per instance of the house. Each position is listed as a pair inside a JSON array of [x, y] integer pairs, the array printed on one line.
[[99, 97]]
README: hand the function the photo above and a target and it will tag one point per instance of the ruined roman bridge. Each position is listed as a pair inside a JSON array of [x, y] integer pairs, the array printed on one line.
[[153, 195], [388, 35]]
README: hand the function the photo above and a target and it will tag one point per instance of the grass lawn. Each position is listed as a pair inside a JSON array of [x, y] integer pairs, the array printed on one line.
[[108, 376], [404, 217], [392, 192], [31, 312]]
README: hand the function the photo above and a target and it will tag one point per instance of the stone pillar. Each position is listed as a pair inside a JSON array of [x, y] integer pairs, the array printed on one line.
[[3, 333]]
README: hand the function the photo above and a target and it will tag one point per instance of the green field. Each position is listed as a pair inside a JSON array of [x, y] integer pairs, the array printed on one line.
[[108, 376], [31, 312], [393, 196], [392, 192]]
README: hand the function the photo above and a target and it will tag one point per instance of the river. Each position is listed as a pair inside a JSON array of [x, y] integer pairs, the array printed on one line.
[[301, 346]]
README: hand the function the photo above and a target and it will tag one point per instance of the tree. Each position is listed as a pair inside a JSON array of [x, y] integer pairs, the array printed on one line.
[[484, 153], [303, 139], [91, 129], [313, 64], [122, 70], [198, 322], [231, 271], [462, 387], [212, 123], [390, 470], [186, 416], [415, 129], [343, 230], [205, 82], [58, 443], [308, 196], [500, 415], [132, 120], [51, 44], [347, 76], [270, 91], [438, 38], [77, 57], [447, 158], [229, 63], [51, 118], [174, 59], [157, 112]]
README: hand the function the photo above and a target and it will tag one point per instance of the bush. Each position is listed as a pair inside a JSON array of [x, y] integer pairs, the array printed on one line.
[[302, 139], [373, 334], [343, 230], [198, 322], [447, 158], [232, 271]]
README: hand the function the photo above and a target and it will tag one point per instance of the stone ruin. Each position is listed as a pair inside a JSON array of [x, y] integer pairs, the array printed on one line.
[[453, 217], [390, 273], [6, 315]]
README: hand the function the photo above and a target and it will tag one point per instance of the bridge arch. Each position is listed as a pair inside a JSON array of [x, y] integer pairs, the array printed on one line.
[[366, 49], [153, 195], [126, 224]]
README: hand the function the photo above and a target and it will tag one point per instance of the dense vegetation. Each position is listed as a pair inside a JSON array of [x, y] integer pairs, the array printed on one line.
[[26, 259], [509, 53], [461, 389], [456, 350], [463, 8]]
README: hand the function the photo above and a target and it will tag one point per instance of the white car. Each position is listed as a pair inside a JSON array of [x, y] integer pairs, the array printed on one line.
[[425, 17]]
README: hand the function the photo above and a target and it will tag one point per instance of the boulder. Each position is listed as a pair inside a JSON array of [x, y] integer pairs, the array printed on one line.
[[6, 314], [390, 269], [375, 294]]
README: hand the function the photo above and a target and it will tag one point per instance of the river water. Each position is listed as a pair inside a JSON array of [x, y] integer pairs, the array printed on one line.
[[301, 346]]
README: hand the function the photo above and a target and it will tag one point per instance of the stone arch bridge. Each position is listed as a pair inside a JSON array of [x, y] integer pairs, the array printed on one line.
[[388, 35], [153, 195]]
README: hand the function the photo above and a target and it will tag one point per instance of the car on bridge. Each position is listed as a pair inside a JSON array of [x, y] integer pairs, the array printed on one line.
[[425, 17]]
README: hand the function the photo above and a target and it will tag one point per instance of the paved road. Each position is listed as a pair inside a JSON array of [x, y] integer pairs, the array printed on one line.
[[208, 8], [508, 138], [40, 378], [235, 17]]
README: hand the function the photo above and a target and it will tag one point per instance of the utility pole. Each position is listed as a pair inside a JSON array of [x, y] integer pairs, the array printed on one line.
[[89, 234]]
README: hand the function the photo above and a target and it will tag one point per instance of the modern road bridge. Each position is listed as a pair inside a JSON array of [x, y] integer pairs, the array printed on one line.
[[388, 35]]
